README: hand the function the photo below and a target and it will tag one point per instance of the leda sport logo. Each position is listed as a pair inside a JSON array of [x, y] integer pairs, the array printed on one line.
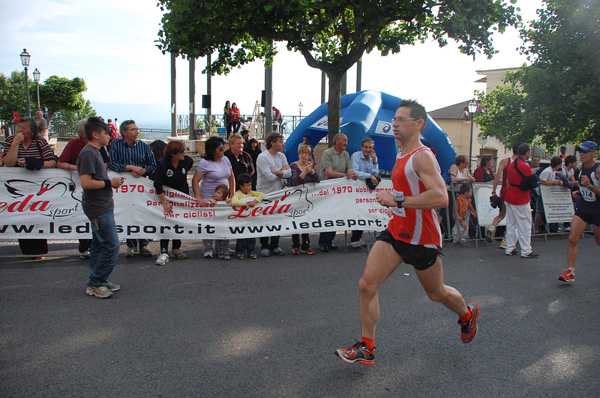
[[55, 197], [293, 203]]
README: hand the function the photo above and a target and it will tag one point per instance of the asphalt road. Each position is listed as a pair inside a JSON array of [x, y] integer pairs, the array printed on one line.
[[269, 327]]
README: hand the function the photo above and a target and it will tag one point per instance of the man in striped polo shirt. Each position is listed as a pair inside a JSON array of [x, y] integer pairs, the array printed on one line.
[[412, 236], [128, 153]]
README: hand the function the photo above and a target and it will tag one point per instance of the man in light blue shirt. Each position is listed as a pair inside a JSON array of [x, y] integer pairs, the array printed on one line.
[[364, 164]]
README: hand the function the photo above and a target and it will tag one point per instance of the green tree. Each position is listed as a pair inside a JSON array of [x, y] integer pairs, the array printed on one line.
[[332, 35], [13, 94], [556, 99], [56, 93], [61, 94]]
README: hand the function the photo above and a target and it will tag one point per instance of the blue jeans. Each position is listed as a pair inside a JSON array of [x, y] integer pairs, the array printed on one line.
[[105, 248], [247, 244], [326, 239]]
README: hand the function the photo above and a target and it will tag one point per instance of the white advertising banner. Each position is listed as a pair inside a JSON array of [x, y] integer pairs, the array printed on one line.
[[47, 204]]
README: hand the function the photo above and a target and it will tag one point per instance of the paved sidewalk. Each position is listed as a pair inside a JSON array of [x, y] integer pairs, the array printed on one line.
[[269, 327]]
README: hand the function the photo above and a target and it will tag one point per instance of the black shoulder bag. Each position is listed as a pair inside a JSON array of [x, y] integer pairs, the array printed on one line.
[[529, 183]]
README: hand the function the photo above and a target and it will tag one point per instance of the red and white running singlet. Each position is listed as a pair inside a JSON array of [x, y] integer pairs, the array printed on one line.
[[413, 226]]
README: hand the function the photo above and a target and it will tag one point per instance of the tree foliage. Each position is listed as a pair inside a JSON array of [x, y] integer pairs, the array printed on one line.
[[62, 94], [556, 99], [56, 93], [332, 35], [69, 118], [13, 94]]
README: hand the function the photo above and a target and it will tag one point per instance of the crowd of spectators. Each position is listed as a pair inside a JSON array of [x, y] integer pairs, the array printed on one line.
[[245, 172]]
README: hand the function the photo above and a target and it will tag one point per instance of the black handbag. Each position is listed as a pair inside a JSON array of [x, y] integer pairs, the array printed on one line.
[[529, 183]]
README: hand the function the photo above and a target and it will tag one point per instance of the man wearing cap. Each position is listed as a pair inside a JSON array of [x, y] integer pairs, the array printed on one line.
[[588, 205]]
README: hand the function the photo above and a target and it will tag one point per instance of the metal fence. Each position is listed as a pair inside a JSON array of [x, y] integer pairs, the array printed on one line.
[[288, 125]]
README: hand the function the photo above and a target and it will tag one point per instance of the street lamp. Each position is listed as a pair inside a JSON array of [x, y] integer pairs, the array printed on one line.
[[300, 107], [25, 57], [36, 77], [473, 107]]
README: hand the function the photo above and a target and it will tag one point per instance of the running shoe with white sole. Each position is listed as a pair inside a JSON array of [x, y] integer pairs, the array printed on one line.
[[98, 291], [278, 251], [531, 255], [357, 353], [113, 287], [567, 276]]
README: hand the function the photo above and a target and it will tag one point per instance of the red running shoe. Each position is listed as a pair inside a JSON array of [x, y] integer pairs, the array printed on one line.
[[357, 353], [469, 329], [567, 276]]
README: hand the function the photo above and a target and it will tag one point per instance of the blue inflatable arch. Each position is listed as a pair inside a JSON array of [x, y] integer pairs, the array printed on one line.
[[369, 114]]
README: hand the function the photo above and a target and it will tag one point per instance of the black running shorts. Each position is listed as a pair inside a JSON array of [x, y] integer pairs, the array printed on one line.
[[420, 257], [590, 218]]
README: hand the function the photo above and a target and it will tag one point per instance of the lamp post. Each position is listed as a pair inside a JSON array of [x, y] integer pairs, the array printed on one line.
[[473, 106], [300, 107], [25, 57], [36, 77]]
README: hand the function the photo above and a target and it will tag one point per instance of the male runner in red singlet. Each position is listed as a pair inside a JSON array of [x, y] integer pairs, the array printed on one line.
[[412, 236]]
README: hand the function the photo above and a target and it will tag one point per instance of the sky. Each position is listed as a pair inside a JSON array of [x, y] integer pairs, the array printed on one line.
[[111, 45]]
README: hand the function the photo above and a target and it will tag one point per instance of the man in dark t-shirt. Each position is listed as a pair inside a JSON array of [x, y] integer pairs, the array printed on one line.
[[98, 206], [241, 162]]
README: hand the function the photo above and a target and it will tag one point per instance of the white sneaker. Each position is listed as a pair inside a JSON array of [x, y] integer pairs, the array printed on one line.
[[356, 245], [208, 254], [162, 259]]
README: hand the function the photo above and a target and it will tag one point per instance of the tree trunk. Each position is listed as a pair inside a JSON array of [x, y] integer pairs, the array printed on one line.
[[333, 106]]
